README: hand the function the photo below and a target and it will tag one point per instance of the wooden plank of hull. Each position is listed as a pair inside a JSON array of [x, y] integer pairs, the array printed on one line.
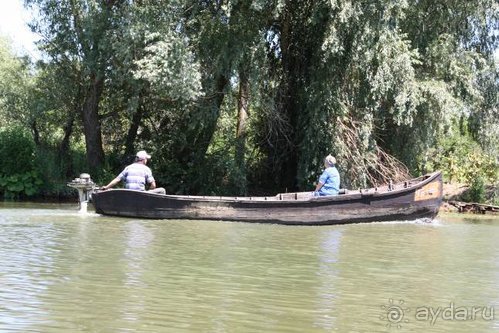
[[407, 203]]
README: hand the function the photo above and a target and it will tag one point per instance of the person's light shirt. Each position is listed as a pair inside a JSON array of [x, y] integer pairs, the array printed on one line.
[[136, 176], [331, 180]]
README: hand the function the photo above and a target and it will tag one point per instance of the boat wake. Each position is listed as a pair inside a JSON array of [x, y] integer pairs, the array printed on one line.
[[83, 207], [436, 222], [424, 221]]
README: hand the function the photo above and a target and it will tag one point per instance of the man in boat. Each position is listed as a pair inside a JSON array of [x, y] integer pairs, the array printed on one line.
[[329, 181], [137, 175]]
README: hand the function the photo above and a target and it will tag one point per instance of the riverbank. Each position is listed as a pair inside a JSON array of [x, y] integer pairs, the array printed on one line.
[[454, 196]]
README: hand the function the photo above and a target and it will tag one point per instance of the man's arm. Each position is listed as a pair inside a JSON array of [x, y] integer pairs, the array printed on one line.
[[112, 183], [319, 186]]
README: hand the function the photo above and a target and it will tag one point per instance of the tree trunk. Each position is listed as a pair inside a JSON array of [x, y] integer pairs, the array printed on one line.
[[205, 116], [300, 46], [242, 117], [64, 147], [36, 133], [133, 130], [91, 124], [291, 64], [206, 128], [209, 129]]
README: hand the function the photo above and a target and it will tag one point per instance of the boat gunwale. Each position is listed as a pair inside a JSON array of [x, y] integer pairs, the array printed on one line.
[[354, 194]]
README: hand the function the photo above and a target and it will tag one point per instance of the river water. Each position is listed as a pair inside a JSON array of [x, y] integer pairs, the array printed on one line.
[[66, 271]]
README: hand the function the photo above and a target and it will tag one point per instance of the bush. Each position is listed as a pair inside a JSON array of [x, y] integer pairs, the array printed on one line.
[[495, 197], [17, 151], [476, 193], [462, 160], [56, 171], [17, 185], [18, 176]]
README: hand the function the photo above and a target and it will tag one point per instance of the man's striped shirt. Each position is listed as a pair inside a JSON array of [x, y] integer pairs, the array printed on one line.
[[136, 176]]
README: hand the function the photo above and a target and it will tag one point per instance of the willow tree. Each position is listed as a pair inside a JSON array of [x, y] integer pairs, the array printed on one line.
[[223, 39], [152, 76], [373, 81], [15, 84], [323, 51], [79, 31], [195, 52], [456, 42], [166, 86]]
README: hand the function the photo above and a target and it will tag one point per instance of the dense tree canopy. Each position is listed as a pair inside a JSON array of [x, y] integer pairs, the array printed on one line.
[[236, 96]]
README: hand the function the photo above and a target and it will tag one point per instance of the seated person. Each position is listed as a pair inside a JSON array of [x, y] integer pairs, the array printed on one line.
[[329, 181], [137, 175]]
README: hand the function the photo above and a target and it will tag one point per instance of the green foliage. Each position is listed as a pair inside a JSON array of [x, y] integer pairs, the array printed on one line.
[[16, 86], [476, 193], [28, 170], [462, 160], [361, 80], [18, 175], [495, 197], [54, 171], [18, 185], [170, 68], [17, 151], [219, 176]]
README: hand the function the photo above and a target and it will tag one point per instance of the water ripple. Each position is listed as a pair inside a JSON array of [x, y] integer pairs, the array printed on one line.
[[62, 271]]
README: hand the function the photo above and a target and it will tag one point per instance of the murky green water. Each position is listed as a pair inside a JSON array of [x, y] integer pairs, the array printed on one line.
[[63, 271]]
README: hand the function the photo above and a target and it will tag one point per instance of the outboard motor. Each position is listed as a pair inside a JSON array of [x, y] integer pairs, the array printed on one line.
[[85, 187]]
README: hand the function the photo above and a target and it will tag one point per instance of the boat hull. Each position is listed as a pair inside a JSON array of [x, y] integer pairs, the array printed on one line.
[[408, 201]]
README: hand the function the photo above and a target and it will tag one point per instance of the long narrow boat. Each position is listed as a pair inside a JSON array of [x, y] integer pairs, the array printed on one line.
[[413, 199]]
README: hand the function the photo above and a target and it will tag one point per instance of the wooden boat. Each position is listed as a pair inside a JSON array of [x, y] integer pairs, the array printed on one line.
[[413, 199]]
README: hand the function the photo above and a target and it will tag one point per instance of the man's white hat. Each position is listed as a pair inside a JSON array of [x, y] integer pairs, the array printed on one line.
[[330, 160], [142, 155]]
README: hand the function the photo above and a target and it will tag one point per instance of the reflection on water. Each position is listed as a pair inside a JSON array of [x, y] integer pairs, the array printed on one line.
[[66, 271]]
